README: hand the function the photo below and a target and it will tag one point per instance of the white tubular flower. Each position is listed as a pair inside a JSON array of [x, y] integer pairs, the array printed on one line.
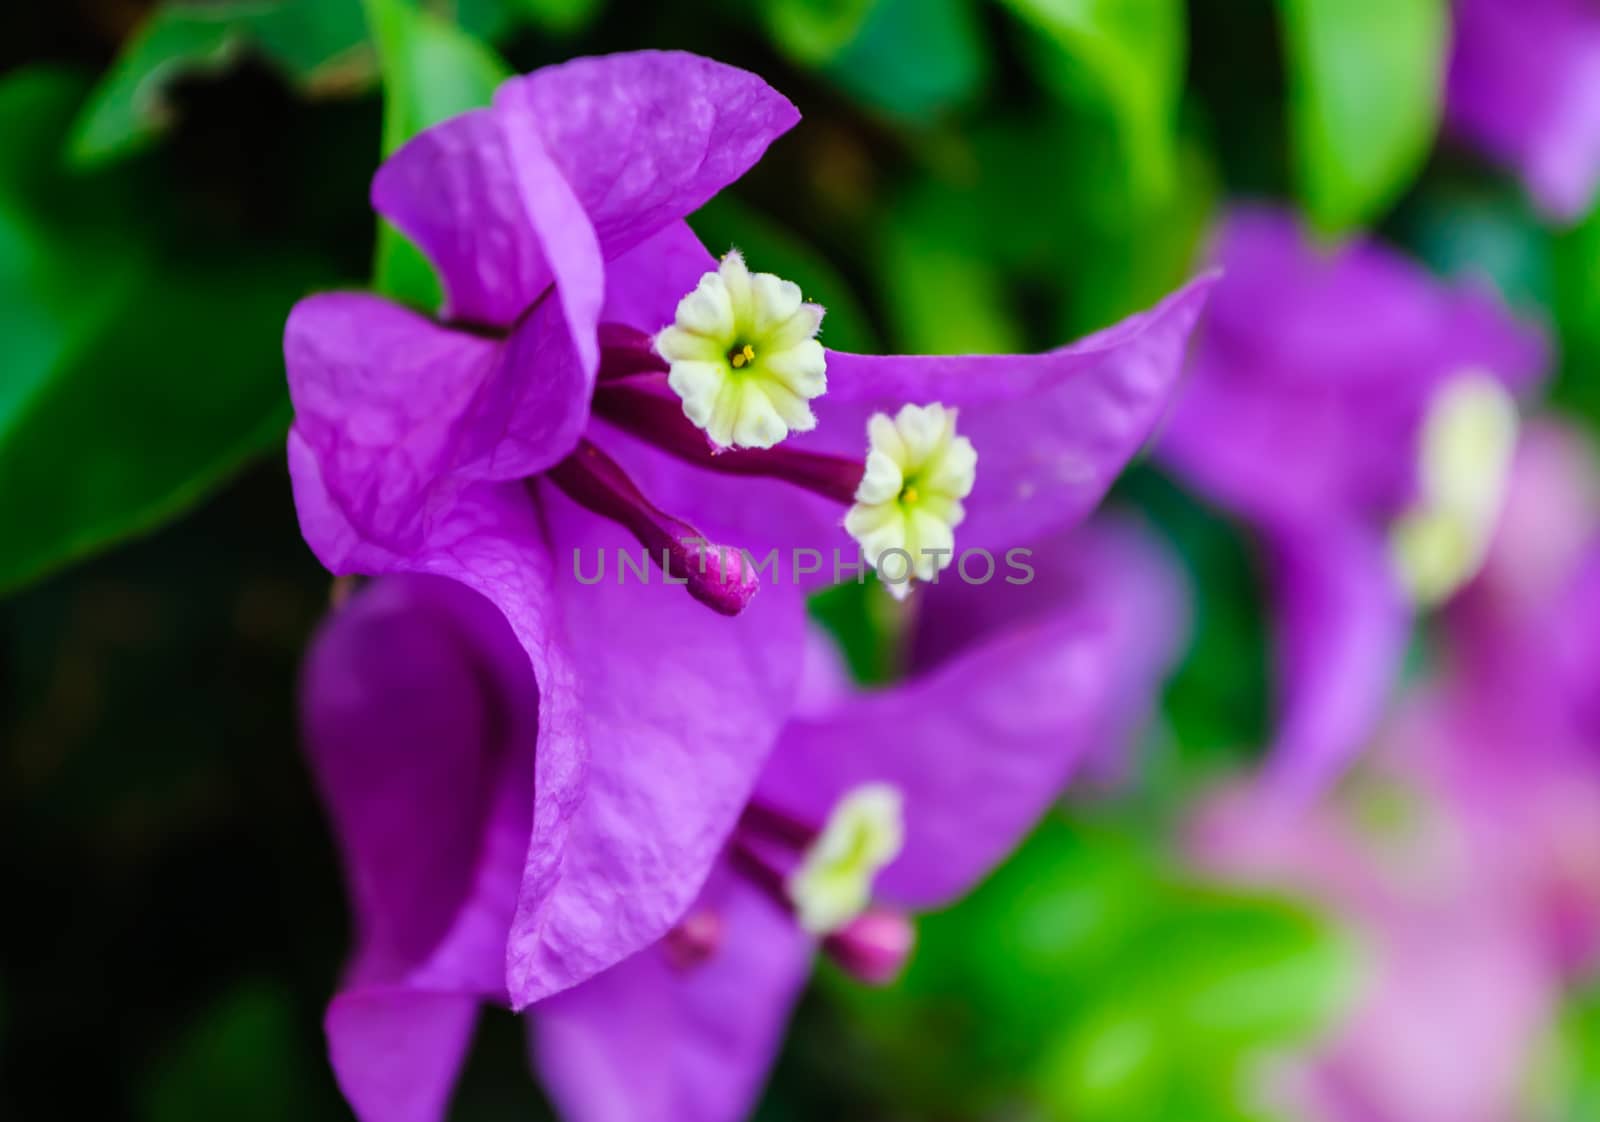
[[833, 883], [743, 356], [909, 501], [1468, 439]]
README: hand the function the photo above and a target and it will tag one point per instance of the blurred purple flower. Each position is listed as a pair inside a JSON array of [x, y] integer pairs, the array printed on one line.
[[1525, 88], [1466, 860], [1350, 408], [1521, 696], [421, 718], [1525, 636], [1466, 854], [1453, 996], [420, 708], [534, 423]]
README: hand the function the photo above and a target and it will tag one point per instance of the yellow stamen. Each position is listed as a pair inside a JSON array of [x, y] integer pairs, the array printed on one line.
[[909, 495], [743, 357]]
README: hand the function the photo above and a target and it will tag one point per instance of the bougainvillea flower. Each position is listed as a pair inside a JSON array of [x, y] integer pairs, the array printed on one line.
[[1453, 995], [1465, 858], [874, 805], [1357, 413], [535, 422], [1525, 88], [1526, 800], [1509, 723], [1466, 853], [421, 719], [1526, 634], [420, 707], [1520, 698]]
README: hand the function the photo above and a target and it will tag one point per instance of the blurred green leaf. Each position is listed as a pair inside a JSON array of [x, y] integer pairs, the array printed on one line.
[[1132, 256], [944, 301], [1482, 236], [867, 623], [316, 42], [1026, 236], [1576, 268], [243, 1059], [319, 43], [1217, 702], [1127, 55], [1110, 1066], [1579, 1040], [725, 223], [431, 71], [1246, 970], [814, 31], [129, 108], [1089, 978], [561, 17], [142, 360], [1365, 79], [944, 287], [915, 58], [909, 58]]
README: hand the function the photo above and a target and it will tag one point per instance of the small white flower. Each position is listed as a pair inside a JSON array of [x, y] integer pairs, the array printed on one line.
[[909, 501], [743, 356], [833, 883], [1464, 463]]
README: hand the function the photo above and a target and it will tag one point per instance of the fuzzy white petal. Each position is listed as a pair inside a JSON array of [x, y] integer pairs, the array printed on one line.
[[909, 498], [833, 883], [754, 333]]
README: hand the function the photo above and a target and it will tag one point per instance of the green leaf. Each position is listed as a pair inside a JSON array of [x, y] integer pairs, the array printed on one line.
[[148, 407], [315, 42], [1571, 1067], [1124, 55], [1092, 980], [320, 44], [1577, 307], [1365, 81], [1243, 970], [1132, 256], [946, 302], [909, 58], [725, 223], [244, 1059], [1110, 1066], [140, 368], [867, 624], [915, 58], [1484, 235], [1217, 702], [945, 295], [814, 31], [1062, 248], [432, 70], [559, 17]]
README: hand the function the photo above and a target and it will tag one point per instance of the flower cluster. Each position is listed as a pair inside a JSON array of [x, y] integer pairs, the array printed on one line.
[[1465, 857], [633, 810], [1360, 416], [1524, 87]]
